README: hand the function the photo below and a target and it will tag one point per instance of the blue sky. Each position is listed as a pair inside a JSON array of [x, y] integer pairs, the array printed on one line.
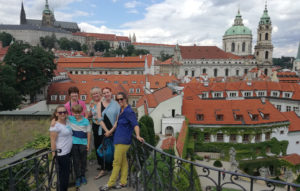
[[201, 22]]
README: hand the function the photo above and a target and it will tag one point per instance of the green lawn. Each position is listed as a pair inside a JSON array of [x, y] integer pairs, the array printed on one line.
[[226, 189]]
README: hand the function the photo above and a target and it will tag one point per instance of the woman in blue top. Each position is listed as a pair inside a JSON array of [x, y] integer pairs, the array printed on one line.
[[127, 122]]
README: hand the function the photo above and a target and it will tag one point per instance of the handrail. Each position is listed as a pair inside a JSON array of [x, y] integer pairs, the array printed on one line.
[[143, 155]]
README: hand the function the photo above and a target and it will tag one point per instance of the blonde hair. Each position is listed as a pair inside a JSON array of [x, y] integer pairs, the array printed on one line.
[[77, 108], [95, 89]]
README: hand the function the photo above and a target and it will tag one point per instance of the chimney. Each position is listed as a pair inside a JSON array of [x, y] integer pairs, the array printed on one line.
[[249, 83]]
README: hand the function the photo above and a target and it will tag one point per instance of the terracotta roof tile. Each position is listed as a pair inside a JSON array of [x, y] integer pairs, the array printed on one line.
[[168, 143], [294, 120], [152, 44], [181, 140], [292, 158]]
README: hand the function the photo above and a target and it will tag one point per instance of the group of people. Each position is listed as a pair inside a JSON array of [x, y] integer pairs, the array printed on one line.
[[70, 135]]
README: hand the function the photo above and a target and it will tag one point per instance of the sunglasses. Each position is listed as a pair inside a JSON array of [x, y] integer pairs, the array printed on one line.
[[62, 112], [119, 99]]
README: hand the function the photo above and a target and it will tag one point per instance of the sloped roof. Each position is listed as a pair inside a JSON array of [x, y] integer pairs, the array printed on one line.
[[294, 121], [205, 52], [292, 158], [168, 143], [152, 44]]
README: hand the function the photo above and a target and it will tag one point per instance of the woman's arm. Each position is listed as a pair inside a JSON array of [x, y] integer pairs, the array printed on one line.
[[137, 132], [53, 137]]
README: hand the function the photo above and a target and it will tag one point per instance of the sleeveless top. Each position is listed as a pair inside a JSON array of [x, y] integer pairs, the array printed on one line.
[[105, 119]]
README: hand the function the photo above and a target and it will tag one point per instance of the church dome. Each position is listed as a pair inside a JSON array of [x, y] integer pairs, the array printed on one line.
[[238, 30], [238, 27]]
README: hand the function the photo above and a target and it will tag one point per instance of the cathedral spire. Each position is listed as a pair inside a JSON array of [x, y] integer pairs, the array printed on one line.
[[22, 15], [238, 21]]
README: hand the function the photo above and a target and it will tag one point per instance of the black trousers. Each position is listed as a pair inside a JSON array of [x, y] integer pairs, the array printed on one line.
[[64, 171], [79, 154], [97, 140]]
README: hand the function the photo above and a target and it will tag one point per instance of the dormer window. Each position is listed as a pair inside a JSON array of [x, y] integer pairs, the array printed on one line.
[[254, 117], [125, 82], [275, 94], [239, 117], [265, 115], [261, 93], [131, 90], [138, 90], [134, 82], [199, 117], [219, 117], [156, 83], [62, 97], [83, 97], [287, 95], [53, 97]]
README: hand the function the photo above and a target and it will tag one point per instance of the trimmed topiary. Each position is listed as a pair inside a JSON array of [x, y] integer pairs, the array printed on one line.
[[218, 163]]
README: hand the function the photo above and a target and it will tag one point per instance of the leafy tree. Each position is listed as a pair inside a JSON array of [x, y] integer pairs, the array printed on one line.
[[33, 65], [148, 122], [84, 48], [9, 96], [6, 38], [48, 42], [164, 57], [129, 51], [66, 44], [100, 46], [144, 132], [75, 45]]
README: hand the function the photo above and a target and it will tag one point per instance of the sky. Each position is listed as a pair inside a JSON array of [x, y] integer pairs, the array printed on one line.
[[186, 22]]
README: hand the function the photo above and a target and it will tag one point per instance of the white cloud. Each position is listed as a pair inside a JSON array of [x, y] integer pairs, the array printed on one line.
[[131, 4]]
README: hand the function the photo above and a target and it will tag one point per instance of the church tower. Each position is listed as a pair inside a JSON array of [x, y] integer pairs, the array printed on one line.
[[296, 64], [264, 47], [48, 16], [22, 15]]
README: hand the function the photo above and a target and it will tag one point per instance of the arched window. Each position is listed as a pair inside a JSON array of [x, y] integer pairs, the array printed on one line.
[[237, 72], [215, 72], [204, 71], [260, 37], [267, 36], [226, 72], [169, 131], [232, 47], [266, 55], [266, 71], [243, 47], [246, 71]]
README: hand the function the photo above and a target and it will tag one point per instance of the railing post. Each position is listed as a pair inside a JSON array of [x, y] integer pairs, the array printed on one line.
[[219, 181], [171, 174], [11, 180], [154, 170], [36, 174], [251, 184], [57, 171], [48, 173], [191, 177]]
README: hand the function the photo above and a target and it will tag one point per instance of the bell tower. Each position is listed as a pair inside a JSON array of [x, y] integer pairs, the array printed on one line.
[[22, 15], [264, 47], [48, 16]]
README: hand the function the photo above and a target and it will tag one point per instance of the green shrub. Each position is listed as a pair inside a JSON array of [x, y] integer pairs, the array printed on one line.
[[149, 125], [218, 163], [197, 157], [156, 139]]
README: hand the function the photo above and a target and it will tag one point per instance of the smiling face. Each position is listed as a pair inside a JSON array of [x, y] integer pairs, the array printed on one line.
[[61, 114], [107, 94], [74, 97], [121, 100], [96, 96]]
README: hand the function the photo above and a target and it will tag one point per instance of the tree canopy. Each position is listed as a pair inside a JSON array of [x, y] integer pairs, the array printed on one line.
[[128, 51], [147, 122], [66, 44], [48, 41], [102, 46], [6, 38], [33, 67]]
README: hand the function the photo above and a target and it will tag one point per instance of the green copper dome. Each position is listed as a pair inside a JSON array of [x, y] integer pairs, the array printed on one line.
[[238, 27], [47, 11], [265, 19], [238, 30]]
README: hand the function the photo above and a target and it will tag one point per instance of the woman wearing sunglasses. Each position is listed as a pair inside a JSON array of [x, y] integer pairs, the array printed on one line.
[[61, 138], [126, 123]]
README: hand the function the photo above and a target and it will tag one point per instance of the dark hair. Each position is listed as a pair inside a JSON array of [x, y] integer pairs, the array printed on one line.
[[124, 95], [107, 88], [55, 112], [73, 89]]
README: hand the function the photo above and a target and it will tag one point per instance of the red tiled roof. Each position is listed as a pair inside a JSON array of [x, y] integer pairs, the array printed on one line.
[[294, 121], [123, 38], [152, 44], [205, 52], [192, 104], [160, 80], [181, 140], [292, 158], [99, 36], [168, 143]]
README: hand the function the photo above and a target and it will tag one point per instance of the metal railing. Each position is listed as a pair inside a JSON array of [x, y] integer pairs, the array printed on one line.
[[34, 173], [156, 170]]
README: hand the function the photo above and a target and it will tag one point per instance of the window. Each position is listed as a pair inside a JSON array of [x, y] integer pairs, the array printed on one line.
[[232, 94], [266, 71], [125, 82], [266, 36], [278, 107], [258, 137], [53, 97], [243, 47], [186, 73], [62, 97], [156, 83], [245, 71], [219, 117], [275, 94], [133, 103], [266, 55], [261, 93], [193, 73], [173, 112], [232, 138], [245, 138], [259, 36], [199, 117], [217, 94], [138, 90], [268, 136], [254, 117], [226, 72], [204, 95], [232, 47], [281, 132], [220, 137], [238, 117], [288, 108], [204, 71], [133, 82], [297, 142], [237, 72], [247, 94], [296, 109], [131, 90], [215, 72], [287, 95], [206, 137], [83, 97], [83, 81], [116, 82]]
